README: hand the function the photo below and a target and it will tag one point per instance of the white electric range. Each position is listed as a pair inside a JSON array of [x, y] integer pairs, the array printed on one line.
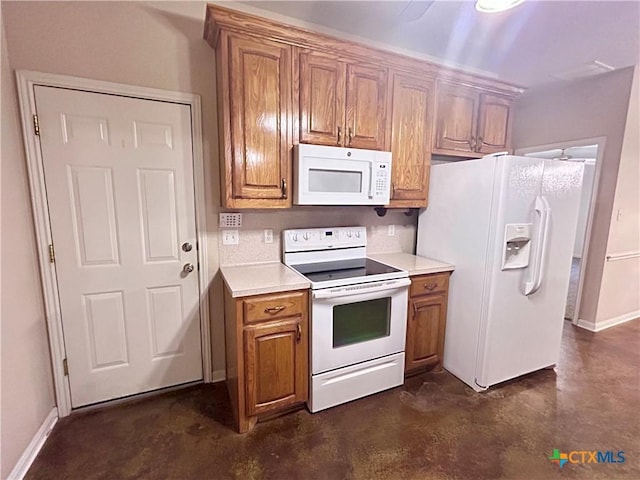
[[358, 314]]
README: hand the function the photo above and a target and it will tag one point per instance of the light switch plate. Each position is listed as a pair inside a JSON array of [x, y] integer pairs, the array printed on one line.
[[230, 220], [230, 237], [391, 230]]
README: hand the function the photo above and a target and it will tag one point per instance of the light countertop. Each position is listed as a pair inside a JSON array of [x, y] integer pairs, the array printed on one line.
[[258, 278], [414, 264]]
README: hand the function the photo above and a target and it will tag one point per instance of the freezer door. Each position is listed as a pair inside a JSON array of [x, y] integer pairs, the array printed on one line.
[[455, 229], [524, 308]]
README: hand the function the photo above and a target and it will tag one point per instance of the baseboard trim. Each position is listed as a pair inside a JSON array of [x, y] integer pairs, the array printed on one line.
[[31, 452], [218, 376], [611, 322]]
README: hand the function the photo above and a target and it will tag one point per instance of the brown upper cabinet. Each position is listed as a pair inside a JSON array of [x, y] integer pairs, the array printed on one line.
[[254, 108], [411, 119], [278, 85], [470, 122], [341, 103]]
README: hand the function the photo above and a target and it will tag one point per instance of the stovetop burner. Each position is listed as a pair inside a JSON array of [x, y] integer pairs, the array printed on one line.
[[343, 269], [334, 257]]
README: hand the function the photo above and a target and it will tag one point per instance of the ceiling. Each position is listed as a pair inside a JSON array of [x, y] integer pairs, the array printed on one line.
[[526, 45]]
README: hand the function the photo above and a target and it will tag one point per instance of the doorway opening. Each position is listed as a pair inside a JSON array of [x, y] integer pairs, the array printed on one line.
[[589, 153]]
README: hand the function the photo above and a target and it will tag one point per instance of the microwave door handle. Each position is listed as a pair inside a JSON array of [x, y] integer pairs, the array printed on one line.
[[370, 194]]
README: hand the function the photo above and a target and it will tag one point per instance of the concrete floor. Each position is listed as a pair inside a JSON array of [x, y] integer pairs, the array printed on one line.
[[432, 428]]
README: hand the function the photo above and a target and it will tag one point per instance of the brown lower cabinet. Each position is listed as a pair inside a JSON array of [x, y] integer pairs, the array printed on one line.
[[267, 354], [426, 322]]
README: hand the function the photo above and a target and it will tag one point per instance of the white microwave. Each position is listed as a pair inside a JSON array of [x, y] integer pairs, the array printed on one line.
[[340, 176]]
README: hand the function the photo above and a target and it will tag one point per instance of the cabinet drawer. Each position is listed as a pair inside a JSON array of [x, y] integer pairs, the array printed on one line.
[[428, 284], [269, 307]]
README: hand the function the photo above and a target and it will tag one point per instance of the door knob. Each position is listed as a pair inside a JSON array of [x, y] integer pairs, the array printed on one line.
[[186, 247], [188, 268]]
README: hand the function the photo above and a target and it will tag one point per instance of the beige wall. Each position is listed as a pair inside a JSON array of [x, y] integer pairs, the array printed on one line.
[[26, 383], [620, 294], [155, 44], [591, 107], [160, 45]]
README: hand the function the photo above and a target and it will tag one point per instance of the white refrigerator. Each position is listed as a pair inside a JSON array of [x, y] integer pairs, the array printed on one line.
[[508, 224]]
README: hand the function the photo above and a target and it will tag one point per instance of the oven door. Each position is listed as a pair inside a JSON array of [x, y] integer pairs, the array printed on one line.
[[357, 323]]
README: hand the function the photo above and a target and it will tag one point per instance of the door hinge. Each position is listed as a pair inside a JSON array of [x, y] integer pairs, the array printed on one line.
[[52, 254], [65, 367], [36, 125]]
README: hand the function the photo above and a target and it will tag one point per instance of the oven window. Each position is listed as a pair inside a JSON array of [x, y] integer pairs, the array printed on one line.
[[361, 321], [339, 181]]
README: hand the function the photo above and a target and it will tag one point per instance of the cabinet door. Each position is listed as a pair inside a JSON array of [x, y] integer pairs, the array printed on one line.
[[411, 117], [257, 155], [366, 106], [493, 124], [425, 331], [456, 114], [322, 84], [275, 365]]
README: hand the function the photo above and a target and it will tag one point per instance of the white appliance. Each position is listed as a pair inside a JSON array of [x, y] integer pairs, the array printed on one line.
[[340, 176], [358, 314], [508, 224]]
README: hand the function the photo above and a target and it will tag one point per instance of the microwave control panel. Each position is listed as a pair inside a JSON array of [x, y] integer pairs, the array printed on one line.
[[381, 179]]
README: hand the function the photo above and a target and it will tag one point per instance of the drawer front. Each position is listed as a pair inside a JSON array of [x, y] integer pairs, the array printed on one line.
[[428, 284], [269, 307]]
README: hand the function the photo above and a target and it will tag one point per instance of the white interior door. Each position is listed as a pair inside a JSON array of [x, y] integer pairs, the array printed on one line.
[[119, 181]]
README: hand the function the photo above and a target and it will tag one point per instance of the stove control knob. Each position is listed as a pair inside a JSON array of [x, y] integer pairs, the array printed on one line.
[[294, 237], [306, 236], [349, 233], [357, 234]]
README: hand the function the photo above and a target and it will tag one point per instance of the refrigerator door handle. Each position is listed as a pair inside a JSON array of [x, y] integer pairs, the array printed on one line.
[[532, 285]]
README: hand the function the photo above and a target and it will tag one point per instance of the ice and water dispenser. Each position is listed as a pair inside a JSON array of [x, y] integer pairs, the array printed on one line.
[[517, 245]]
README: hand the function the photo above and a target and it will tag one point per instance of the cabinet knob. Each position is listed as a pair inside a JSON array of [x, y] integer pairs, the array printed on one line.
[[350, 135], [479, 144], [472, 143], [284, 188], [339, 134], [430, 286], [298, 333]]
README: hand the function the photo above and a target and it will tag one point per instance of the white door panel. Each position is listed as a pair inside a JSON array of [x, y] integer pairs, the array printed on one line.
[[524, 331], [119, 180], [510, 338]]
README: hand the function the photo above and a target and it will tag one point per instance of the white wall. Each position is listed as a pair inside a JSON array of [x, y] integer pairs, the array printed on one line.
[[620, 293], [26, 382], [583, 210], [586, 108]]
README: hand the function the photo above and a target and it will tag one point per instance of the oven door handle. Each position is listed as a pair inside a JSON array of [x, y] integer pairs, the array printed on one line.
[[362, 288]]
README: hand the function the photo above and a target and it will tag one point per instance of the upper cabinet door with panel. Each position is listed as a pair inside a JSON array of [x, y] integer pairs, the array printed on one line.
[[456, 115], [470, 122], [493, 124], [411, 119], [366, 106], [258, 109], [322, 89]]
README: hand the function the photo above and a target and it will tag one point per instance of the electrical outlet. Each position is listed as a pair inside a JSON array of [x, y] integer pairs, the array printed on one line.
[[268, 236], [230, 220], [230, 237], [391, 230]]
